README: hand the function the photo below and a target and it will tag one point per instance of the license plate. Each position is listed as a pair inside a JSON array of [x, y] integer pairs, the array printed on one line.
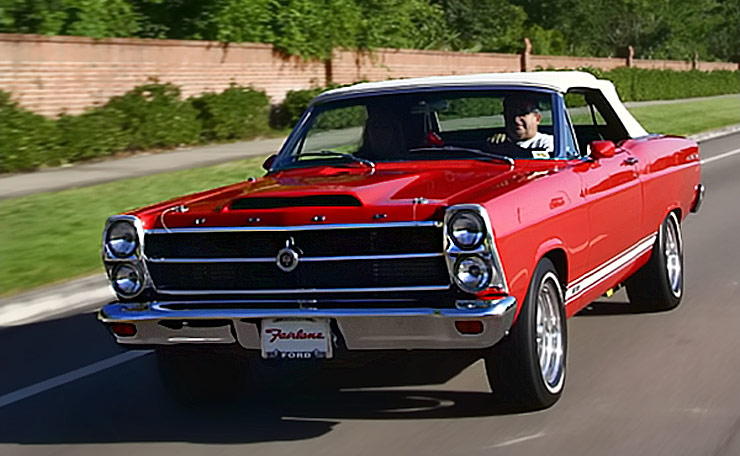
[[296, 339]]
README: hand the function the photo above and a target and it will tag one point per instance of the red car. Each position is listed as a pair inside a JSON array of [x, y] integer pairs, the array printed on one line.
[[471, 213]]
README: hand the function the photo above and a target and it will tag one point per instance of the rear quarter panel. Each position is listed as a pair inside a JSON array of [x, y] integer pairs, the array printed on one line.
[[669, 172]]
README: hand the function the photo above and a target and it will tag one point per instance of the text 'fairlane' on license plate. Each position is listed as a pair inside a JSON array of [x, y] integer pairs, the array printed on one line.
[[296, 339]]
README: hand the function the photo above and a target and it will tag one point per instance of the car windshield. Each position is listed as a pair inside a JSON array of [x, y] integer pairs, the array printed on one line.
[[484, 125]]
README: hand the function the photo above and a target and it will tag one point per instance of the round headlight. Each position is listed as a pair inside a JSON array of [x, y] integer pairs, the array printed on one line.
[[467, 230], [472, 273], [127, 280], [122, 239]]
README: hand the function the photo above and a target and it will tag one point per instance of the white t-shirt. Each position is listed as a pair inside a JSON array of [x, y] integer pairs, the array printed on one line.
[[544, 144]]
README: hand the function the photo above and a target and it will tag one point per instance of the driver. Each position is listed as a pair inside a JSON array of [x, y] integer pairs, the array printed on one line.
[[522, 118]]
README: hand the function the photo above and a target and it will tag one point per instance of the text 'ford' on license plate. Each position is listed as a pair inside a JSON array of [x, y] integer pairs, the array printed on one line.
[[296, 339]]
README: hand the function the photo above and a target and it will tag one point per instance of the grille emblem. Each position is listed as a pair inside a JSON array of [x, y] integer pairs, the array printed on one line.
[[287, 258]]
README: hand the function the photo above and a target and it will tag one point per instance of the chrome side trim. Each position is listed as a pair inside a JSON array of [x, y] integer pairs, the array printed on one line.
[[301, 291], [239, 229], [592, 278], [404, 256]]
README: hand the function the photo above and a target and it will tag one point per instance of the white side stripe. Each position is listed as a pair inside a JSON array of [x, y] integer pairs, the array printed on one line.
[[592, 278]]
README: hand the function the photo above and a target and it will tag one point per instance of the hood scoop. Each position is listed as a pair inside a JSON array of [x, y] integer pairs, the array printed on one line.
[[276, 202]]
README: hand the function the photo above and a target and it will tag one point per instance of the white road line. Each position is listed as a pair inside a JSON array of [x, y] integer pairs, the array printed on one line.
[[76, 374], [515, 441], [720, 156]]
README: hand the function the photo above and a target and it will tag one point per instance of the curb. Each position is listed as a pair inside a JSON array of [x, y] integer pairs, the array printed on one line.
[[706, 136], [89, 293], [54, 301]]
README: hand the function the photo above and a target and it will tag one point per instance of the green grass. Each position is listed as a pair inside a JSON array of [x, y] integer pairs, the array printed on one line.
[[50, 237], [689, 118]]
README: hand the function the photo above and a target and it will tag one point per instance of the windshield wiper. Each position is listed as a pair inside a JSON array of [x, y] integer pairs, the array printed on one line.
[[331, 153], [504, 158]]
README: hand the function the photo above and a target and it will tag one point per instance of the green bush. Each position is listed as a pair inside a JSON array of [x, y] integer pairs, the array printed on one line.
[[95, 133], [287, 113], [638, 84], [153, 115], [236, 113], [27, 140]]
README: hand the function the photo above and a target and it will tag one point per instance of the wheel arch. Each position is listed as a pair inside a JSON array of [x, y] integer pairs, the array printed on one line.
[[679, 213], [559, 259], [554, 250]]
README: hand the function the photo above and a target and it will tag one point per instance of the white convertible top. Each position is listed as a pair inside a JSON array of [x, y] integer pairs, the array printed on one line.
[[560, 81]]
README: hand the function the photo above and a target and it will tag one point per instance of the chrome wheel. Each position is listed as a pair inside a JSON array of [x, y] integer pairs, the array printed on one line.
[[549, 335], [672, 252]]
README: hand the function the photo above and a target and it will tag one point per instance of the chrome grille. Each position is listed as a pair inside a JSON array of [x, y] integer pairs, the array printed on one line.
[[331, 259], [312, 243]]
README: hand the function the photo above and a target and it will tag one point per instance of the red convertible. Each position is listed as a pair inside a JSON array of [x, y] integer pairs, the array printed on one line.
[[471, 213]]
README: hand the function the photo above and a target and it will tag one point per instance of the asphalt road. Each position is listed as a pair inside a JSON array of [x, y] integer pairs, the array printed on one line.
[[639, 383]]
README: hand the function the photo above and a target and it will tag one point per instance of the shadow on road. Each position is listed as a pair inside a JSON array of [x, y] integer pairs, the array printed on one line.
[[127, 403], [606, 306]]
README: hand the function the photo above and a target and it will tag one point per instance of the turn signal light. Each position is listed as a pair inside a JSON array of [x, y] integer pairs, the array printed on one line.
[[469, 326], [123, 329]]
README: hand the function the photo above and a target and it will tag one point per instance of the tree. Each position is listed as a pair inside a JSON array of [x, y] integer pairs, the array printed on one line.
[[94, 18], [312, 28], [484, 25], [414, 24], [724, 37]]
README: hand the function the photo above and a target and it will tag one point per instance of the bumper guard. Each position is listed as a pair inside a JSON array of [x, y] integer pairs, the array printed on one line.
[[162, 323]]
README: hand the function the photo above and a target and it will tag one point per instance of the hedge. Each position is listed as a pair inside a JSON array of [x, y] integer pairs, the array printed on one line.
[[149, 116], [638, 84], [153, 115], [236, 113], [27, 140]]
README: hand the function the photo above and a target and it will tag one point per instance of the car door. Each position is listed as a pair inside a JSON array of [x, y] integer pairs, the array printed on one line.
[[611, 186]]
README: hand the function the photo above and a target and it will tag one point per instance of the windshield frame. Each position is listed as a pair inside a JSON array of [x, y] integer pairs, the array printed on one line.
[[284, 159]]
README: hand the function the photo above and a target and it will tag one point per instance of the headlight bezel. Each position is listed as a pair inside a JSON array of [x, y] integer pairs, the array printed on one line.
[[136, 260], [486, 250]]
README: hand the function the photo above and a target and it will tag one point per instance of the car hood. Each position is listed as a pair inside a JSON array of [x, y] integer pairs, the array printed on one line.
[[410, 191]]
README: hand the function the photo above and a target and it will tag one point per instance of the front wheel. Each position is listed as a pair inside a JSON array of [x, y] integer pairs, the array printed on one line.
[[659, 284], [527, 368]]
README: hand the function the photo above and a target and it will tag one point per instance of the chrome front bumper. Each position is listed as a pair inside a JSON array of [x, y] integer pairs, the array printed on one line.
[[158, 323]]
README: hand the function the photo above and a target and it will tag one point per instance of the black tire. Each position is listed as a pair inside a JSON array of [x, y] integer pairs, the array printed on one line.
[[515, 372], [658, 285], [199, 375]]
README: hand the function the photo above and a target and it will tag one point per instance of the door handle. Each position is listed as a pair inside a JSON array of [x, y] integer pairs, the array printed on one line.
[[630, 161], [557, 202]]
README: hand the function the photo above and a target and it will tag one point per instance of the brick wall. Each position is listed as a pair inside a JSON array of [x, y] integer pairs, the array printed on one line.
[[384, 64], [50, 75], [54, 74]]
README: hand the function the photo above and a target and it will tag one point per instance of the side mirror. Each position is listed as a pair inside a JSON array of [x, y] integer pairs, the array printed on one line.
[[268, 163], [602, 149]]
